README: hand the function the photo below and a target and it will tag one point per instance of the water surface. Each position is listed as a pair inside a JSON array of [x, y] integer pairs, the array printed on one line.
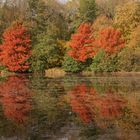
[[69, 108]]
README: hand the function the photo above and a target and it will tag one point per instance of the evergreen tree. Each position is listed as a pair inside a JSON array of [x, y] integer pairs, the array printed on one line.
[[87, 10]]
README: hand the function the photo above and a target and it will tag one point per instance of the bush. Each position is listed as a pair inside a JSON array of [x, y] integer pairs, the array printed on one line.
[[71, 65], [104, 63], [129, 60]]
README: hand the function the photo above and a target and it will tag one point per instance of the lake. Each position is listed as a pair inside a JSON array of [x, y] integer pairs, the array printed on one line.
[[34, 107]]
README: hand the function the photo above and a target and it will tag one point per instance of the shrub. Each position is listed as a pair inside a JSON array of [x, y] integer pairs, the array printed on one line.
[[71, 65], [103, 62]]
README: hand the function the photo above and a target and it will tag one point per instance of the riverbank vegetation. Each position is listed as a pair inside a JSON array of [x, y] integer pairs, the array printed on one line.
[[79, 35]]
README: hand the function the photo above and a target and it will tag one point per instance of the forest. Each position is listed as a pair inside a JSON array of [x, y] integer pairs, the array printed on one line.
[[75, 35]]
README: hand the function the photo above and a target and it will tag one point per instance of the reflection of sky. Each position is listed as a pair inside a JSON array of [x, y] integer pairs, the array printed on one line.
[[63, 1]]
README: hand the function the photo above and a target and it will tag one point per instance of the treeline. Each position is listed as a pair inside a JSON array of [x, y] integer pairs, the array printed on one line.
[[99, 36]]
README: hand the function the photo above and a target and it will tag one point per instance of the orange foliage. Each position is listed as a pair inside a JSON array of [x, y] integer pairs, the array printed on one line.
[[110, 40], [16, 99], [16, 50], [90, 105], [81, 44]]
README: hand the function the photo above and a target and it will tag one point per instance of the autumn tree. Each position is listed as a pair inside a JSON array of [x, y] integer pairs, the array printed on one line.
[[110, 40], [16, 48], [101, 22], [135, 38], [127, 18], [11, 10], [81, 44], [107, 7]]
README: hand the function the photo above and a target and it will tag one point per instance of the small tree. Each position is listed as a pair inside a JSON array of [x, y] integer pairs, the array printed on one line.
[[16, 49], [110, 40], [81, 44]]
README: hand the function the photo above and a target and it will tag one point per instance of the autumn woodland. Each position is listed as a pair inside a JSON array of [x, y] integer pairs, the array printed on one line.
[[69, 69], [76, 35]]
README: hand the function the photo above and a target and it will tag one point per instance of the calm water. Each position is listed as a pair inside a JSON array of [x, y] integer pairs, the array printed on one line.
[[70, 108]]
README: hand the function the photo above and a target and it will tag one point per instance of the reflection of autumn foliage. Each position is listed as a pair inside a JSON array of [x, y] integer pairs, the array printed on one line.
[[79, 104], [15, 98], [90, 105]]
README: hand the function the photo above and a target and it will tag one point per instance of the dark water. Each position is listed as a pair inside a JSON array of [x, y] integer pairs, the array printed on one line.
[[70, 108]]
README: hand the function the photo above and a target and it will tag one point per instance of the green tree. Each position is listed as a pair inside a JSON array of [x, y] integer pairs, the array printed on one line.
[[87, 10], [46, 17], [71, 13], [71, 65], [103, 62], [129, 60], [46, 54]]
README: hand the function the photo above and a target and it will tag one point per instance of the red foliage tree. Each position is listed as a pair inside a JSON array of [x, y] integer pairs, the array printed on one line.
[[16, 99], [81, 44], [110, 40], [16, 49]]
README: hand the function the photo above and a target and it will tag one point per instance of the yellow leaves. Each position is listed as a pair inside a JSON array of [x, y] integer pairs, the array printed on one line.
[[100, 23], [127, 18], [135, 38], [62, 45]]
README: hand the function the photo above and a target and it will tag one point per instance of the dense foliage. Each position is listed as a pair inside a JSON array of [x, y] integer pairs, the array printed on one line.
[[46, 54], [87, 10], [110, 40], [127, 18], [101, 36], [16, 49], [81, 44]]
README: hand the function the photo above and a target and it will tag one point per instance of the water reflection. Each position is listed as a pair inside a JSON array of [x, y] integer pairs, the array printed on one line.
[[71, 108], [15, 98], [91, 106], [107, 111]]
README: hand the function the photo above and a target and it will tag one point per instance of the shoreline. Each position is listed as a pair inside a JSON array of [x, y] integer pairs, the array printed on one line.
[[58, 72]]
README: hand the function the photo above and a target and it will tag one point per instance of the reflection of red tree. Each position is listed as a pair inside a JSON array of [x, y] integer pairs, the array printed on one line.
[[90, 105], [15, 98], [78, 102]]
